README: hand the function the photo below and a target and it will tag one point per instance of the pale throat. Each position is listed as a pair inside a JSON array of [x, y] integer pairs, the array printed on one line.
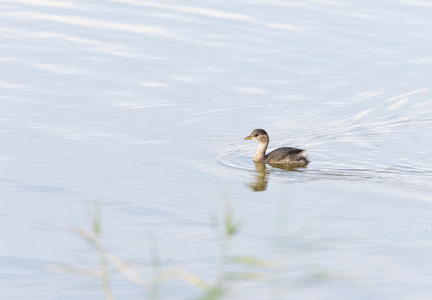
[[260, 152]]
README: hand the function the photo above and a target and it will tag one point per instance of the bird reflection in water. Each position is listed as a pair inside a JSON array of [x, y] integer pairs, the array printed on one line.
[[263, 173]]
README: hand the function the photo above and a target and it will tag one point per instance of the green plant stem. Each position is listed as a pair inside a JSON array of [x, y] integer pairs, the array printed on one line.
[[104, 271]]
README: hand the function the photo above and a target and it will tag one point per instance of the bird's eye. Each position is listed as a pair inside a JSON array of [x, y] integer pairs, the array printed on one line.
[[255, 135]]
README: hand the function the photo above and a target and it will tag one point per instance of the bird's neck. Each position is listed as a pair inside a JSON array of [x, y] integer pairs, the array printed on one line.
[[260, 152]]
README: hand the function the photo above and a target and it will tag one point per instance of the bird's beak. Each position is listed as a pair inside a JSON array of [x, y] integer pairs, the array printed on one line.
[[248, 137]]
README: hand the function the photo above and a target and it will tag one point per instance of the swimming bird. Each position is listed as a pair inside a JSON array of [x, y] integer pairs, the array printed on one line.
[[284, 155]]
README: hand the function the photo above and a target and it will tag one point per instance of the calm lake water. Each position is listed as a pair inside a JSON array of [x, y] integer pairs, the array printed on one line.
[[139, 108]]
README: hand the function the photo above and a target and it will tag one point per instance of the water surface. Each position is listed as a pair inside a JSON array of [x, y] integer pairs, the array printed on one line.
[[142, 107]]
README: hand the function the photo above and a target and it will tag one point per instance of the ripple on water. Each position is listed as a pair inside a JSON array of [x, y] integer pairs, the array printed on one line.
[[364, 141], [359, 141]]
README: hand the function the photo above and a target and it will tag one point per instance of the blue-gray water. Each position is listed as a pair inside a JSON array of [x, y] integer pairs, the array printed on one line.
[[142, 107]]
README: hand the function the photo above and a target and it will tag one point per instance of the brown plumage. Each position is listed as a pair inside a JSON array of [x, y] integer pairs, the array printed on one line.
[[284, 155]]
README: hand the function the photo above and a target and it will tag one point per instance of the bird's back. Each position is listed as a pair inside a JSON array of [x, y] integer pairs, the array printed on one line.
[[287, 155]]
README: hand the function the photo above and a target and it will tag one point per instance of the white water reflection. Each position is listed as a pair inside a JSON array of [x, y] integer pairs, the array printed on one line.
[[188, 9], [61, 4], [92, 23]]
